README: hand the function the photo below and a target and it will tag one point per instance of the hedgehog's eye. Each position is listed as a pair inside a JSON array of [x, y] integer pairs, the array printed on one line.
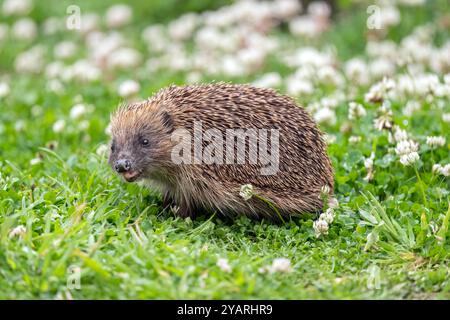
[[145, 142], [113, 146]]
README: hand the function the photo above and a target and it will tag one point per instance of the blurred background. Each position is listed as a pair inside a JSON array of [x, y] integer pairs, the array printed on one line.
[[69, 64], [55, 55], [375, 75]]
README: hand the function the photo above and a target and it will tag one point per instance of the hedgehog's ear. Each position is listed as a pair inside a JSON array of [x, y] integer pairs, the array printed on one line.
[[167, 121]]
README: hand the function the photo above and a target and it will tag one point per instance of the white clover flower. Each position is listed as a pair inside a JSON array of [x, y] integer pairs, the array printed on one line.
[[282, 265], [84, 70], [381, 67], [405, 85], [286, 9], [405, 147], [124, 58], [426, 84], [17, 7], [384, 120], [78, 111], [437, 168], [329, 75], [381, 49], [64, 49], [118, 15], [325, 115], [155, 38], [329, 138], [320, 227], [4, 89], [35, 161], [55, 86], [53, 25], [328, 216], [446, 170], [411, 107], [54, 69], [268, 80], [331, 101], [246, 191], [223, 265], [305, 26], [319, 9], [325, 190], [231, 66], [441, 90], [447, 79], [263, 269], [18, 231], [19, 125], [446, 117], [59, 126], [440, 169], [400, 134], [355, 110], [24, 29], [389, 16], [436, 141], [368, 163], [103, 46], [297, 86], [128, 88], [208, 38], [379, 90], [409, 159], [354, 139], [30, 61], [90, 22], [183, 27], [407, 150], [356, 70]]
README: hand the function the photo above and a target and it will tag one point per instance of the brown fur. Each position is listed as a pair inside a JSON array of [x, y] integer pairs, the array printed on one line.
[[304, 167]]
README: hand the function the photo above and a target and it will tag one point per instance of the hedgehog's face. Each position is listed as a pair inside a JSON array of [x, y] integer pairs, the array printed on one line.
[[138, 146], [131, 156]]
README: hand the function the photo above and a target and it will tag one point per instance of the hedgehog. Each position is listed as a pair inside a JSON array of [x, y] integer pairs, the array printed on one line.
[[202, 145]]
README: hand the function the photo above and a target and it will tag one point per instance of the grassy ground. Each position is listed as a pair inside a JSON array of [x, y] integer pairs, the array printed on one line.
[[390, 237]]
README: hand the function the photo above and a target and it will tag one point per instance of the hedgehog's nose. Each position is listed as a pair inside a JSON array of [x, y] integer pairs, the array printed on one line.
[[122, 165]]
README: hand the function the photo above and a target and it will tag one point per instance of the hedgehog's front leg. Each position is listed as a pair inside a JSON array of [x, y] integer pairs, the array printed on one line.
[[167, 200], [184, 211], [183, 208]]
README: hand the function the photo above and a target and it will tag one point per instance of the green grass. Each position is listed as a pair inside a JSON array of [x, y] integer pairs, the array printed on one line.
[[76, 211]]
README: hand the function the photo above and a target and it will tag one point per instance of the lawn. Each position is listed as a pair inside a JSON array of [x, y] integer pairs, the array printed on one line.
[[72, 229]]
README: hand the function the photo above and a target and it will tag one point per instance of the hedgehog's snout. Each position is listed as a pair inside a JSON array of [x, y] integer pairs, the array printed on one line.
[[122, 165]]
